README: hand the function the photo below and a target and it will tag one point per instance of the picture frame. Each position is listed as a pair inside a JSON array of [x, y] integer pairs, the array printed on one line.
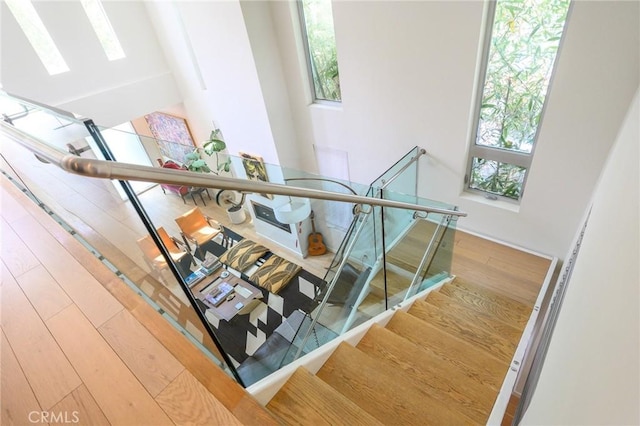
[[172, 134], [255, 169]]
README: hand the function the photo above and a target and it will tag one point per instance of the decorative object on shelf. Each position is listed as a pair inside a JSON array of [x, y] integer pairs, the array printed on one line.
[[233, 203], [316, 246], [255, 169], [172, 135]]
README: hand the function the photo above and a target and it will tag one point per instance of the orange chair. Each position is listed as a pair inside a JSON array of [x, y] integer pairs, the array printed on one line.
[[156, 260], [198, 229]]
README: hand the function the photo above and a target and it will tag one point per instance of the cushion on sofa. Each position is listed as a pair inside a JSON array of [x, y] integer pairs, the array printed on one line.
[[244, 254], [274, 274]]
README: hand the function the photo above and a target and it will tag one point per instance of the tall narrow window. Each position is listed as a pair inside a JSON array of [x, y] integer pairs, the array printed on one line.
[[317, 19], [37, 34], [102, 26], [524, 41]]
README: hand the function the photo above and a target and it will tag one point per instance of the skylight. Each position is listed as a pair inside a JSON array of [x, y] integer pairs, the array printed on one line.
[[38, 36], [102, 26]]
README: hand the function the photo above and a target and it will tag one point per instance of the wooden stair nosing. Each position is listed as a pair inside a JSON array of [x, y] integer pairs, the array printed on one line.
[[493, 344], [439, 378], [378, 389], [305, 398], [477, 365], [485, 318]]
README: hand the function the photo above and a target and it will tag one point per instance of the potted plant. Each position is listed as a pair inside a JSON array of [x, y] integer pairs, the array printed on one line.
[[195, 163], [233, 202], [214, 146]]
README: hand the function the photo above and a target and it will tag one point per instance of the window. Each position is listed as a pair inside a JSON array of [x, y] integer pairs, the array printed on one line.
[[522, 47], [38, 36], [101, 25], [317, 19]]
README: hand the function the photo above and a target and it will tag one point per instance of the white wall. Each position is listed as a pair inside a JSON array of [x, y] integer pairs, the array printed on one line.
[[110, 92], [407, 72], [219, 80], [591, 374]]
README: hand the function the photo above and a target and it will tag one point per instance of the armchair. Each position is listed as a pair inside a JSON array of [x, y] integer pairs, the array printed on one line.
[[198, 229], [182, 190], [156, 261]]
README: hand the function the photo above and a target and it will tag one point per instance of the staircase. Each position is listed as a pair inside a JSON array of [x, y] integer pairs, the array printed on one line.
[[442, 362]]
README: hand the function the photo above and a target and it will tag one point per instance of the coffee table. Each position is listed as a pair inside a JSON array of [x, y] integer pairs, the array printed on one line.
[[242, 300]]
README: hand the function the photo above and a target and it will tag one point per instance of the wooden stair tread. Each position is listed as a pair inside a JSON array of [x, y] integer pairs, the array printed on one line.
[[485, 319], [442, 380], [512, 310], [396, 283], [377, 388], [477, 365], [306, 398], [493, 344]]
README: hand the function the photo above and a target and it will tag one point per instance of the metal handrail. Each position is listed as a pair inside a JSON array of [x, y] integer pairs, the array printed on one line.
[[412, 160], [125, 171]]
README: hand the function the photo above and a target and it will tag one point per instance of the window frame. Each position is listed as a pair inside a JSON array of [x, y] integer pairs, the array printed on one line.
[[501, 155], [309, 65]]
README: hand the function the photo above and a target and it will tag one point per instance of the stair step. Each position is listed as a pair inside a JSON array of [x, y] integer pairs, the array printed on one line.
[[438, 378], [396, 282], [484, 319], [305, 398], [493, 344], [483, 300], [475, 364], [378, 388]]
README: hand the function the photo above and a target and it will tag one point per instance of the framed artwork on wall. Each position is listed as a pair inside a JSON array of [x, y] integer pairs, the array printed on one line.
[[255, 169], [172, 135]]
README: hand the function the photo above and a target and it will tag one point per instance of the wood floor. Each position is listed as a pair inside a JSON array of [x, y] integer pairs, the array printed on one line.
[[73, 352]]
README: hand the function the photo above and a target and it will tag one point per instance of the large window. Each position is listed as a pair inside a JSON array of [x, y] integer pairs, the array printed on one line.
[[317, 25], [521, 50], [37, 34]]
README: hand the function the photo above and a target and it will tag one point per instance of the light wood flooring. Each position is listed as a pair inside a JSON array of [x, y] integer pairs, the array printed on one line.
[[79, 346]]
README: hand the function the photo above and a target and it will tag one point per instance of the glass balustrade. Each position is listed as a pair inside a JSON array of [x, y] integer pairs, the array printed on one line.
[[272, 298], [101, 215]]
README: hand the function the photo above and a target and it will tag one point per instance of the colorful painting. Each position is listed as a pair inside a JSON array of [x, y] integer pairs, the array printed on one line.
[[255, 169], [172, 135]]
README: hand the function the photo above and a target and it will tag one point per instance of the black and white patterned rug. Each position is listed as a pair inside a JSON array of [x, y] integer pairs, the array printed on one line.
[[244, 334]]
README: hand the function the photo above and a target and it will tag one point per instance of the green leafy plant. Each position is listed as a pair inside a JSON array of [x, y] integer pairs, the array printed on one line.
[[215, 144]]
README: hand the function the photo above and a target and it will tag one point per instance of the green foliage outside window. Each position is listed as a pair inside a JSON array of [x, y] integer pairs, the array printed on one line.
[[318, 20], [524, 43]]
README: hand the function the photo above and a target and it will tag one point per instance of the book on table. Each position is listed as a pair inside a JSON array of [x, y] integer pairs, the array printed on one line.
[[219, 294]]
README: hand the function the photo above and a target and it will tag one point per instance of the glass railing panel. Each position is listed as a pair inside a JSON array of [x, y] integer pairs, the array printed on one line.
[[57, 129], [109, 226], [439, 267], [397, 172]]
